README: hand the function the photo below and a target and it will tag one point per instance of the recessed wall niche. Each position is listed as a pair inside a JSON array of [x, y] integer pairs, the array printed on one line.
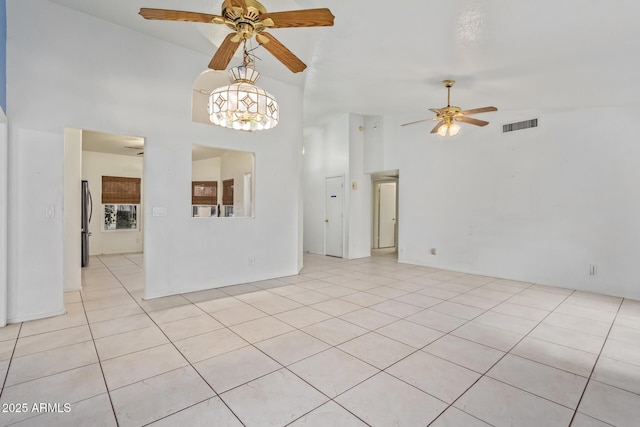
[[222, 183], [204, 84]]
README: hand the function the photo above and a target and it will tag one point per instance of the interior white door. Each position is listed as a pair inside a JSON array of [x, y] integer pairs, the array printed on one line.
[[334, 189], [387, 215]]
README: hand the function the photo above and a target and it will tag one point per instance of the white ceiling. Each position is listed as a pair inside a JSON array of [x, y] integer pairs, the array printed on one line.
[[126, 145], [122, 145], [390, 58]]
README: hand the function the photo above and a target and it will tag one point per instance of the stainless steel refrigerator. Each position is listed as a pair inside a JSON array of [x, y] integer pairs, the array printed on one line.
[[87, 211]]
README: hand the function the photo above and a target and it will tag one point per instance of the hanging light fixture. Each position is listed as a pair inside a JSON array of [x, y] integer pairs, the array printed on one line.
[[242, 105], [449, 127]]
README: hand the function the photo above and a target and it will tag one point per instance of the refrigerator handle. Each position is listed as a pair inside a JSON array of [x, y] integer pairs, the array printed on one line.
[[90, 207]]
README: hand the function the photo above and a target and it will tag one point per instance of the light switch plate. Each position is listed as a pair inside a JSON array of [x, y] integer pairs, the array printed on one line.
[[159, 211]]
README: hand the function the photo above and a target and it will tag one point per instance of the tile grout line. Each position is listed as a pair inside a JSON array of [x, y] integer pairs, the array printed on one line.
[[468, 320], [104, 379], [13, 352], [604, 343], [67, 370], [327, 349], [494, 364], [370, 330], [177, 349], [398, 319], [357, 358]]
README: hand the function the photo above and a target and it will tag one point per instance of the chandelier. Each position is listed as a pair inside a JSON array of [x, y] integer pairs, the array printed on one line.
[[242, 105]]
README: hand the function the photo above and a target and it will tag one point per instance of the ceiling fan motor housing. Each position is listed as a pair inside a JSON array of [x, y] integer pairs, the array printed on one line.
[[243, 21]]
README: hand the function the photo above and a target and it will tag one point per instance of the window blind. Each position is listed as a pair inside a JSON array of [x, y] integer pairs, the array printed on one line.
[[227, 192], [204, 192], [120, 190]]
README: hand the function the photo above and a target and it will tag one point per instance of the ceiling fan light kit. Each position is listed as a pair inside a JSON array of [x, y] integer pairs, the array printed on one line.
[[450, 129], [450, 114]]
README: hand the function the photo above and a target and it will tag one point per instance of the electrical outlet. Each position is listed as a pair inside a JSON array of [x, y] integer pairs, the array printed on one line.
[[593, 269], [251, 260], [433, 251]]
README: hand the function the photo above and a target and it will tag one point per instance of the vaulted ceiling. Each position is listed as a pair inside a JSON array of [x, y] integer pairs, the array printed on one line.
[[391, 57]]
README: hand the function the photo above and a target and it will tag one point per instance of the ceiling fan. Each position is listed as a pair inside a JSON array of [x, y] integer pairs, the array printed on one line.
[[447, 115], [248, 18]]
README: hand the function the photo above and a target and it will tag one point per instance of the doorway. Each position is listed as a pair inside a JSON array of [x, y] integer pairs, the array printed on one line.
[[385, 212], [333, 230], [102, 160], [386, 237]]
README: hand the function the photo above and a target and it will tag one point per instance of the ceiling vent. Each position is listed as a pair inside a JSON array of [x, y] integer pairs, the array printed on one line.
[[526, 124]]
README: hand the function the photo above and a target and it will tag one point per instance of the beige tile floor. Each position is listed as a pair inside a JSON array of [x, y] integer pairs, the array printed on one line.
[[345, 343]]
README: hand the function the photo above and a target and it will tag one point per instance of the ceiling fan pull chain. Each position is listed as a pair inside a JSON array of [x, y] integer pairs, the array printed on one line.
[[247, 57]]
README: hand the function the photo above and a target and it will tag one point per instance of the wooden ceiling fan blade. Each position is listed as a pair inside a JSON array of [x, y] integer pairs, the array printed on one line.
[[236, 3], [225, 52], [301, 18], [435, 129], [418, 121], [268, 22], [177, 15], [471, 121], [282, 54], [479, 110]]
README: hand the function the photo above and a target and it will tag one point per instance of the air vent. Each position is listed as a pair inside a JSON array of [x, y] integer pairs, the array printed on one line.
[[526, 124]]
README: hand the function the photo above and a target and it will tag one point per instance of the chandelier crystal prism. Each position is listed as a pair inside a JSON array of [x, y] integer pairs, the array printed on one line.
[[242, 105]]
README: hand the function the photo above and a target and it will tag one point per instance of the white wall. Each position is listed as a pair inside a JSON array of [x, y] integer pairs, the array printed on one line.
[[206, 170], [381, 142], [94, 167], [359, 189], [337, 149], [373, 129], [35, 244], [326, 155], [234, 164], [103, 77], [538, 205], [72, 205], [3, 218], [391, 130], [312, 202]]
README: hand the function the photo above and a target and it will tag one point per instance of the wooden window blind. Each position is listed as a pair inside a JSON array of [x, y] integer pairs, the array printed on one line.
[[204, 192], [227, 192], [120, 190]]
